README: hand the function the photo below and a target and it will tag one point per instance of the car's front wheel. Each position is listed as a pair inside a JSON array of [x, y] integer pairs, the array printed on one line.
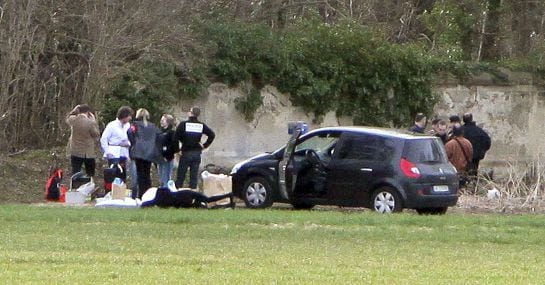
[[386, 200], [257, 193]]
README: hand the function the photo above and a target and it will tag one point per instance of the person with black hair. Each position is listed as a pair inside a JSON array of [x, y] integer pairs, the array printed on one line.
[[189, 134], [453, 121], [439, 129], [480, 141], [114, 140], [420, 122]]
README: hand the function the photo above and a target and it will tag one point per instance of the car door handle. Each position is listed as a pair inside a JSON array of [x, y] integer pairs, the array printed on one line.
[[366, 169]]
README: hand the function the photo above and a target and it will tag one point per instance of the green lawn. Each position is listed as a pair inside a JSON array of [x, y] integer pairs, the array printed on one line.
[[62, 245]]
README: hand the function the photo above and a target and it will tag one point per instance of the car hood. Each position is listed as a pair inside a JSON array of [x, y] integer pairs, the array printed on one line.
[[261, 156]]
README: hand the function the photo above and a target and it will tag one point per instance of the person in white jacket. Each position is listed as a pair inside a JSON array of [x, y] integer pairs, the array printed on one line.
[[114, 140]]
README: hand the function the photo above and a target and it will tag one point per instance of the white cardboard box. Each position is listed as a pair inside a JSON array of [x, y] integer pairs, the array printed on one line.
[[75, 198]]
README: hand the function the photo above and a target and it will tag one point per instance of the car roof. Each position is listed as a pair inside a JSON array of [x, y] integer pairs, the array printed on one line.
[[385, 132]]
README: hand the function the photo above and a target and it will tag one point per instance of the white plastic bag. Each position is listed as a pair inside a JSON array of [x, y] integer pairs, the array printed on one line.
[[87, 188]]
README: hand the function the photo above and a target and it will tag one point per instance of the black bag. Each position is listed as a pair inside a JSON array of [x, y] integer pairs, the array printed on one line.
[[111, 173], [78, 179]]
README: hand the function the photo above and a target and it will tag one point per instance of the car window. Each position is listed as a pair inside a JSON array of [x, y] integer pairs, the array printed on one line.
[[321, 143], [385, 149], [424, 150], [366, 147]]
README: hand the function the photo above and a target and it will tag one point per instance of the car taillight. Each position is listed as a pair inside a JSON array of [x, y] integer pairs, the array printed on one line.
[[409, 169]]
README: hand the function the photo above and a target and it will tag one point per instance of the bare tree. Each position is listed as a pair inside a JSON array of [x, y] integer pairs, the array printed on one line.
[[55, 54]]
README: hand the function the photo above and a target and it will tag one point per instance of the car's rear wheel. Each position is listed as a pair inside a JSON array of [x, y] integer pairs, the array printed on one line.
[[432, 211], [386, 200], [257, 193]]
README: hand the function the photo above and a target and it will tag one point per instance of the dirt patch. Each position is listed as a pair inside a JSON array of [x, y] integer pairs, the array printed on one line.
[[23, 174]]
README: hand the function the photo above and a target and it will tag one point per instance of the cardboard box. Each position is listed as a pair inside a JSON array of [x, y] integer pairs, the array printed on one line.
[[216, 184], [119, 191]]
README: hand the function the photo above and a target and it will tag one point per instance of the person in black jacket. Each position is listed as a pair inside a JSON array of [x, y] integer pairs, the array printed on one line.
[[169, 146], [165, 198], [420, 122], [189, 133], [480, 141]]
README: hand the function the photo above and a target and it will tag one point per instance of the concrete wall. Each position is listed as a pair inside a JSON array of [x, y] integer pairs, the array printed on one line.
[[511, 111], [237, 139]]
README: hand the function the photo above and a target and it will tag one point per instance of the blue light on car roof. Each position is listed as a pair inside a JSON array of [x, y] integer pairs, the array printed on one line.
[[292, 126]]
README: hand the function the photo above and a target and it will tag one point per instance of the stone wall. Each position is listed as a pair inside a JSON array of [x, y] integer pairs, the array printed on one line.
[[237, 139], [510, 110]]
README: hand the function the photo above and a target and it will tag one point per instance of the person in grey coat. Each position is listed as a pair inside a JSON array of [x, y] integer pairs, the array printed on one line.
[[144, 149]]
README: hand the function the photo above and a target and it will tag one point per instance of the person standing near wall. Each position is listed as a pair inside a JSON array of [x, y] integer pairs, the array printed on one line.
[[84, 134], [480, 141], [144, 149], [189, 133], [459, 152], [453, 121], [420, 122], [169, 146], [439, 129]]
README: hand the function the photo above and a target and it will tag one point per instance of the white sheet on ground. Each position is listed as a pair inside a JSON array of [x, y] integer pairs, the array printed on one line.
[[117, 203]]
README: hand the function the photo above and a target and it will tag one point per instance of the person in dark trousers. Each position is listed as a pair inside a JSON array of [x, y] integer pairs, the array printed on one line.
[[420, 122], [165, 198], [480, 141], [144, 149], [84, 135], [189, 133]]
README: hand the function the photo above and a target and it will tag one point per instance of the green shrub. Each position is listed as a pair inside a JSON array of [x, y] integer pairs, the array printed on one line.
[[150, 84], [343, 68], [243, 52]]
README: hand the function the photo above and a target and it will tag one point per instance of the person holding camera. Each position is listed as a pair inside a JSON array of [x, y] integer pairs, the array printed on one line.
[[84, 134]]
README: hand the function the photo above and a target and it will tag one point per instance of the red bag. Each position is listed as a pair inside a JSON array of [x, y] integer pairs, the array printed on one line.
[[53, 186]]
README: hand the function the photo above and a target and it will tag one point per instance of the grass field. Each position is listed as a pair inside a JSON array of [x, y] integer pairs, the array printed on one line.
[[62, 245]]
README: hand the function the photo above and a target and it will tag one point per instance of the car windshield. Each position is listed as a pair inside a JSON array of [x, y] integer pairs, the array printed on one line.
[[320, 143], [425, 151]]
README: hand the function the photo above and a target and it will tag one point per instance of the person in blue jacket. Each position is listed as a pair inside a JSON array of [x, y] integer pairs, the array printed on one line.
[[420, 122]]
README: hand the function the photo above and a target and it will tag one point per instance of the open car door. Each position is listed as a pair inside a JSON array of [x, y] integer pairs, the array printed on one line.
[[286, 179]]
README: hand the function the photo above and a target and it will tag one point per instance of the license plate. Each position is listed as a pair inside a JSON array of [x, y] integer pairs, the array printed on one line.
[[440, 188]]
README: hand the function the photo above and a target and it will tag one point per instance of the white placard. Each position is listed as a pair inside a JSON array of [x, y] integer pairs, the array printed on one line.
[[193, 128]]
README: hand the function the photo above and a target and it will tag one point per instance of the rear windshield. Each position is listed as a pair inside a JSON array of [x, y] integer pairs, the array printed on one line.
[[424, 151]]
